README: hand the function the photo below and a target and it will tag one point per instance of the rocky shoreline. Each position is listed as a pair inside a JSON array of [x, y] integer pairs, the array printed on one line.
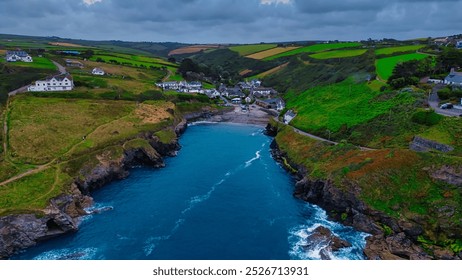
[[63, 214], [390, 238]]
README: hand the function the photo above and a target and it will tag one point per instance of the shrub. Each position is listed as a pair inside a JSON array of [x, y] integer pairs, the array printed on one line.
[[426, 118]]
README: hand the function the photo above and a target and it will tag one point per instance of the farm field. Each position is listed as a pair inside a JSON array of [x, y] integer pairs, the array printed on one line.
[[38, 63], [193, 49], [271, 71], [270, 52], [337, 54], [393, 50], [130, 60], [386, 65], [315, 48], [245, 50]]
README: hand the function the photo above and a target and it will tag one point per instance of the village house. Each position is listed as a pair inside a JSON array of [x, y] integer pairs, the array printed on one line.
[[249, 85], [13, 56], [212, 93], [62, 82], [233, 93], [262, 92], [275, 103], [98, 71], [454, 78], [73, 63], [183, 86], [289, 116], [459, 45]]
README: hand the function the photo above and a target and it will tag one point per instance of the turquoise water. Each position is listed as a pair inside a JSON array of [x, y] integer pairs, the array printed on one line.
[[222, 197]]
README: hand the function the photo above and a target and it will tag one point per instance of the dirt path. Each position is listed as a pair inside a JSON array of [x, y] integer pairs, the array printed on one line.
[[169, 73], [27, 173], [317, 138]]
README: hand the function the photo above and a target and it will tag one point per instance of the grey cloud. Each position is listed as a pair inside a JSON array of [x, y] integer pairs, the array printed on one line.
[[202, 21]]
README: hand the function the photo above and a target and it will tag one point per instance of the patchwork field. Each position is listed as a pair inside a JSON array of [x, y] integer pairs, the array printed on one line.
[[193, 49], [393, 50], [271, 71], [245, 50], [386, 65], [62, 44], [271, 52], [338, 54], [315, 48]]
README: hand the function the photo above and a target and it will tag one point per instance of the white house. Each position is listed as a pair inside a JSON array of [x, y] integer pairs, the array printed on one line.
[[459, 45], [62, 82], [13, 56], [454, 78], [288, 116], [98, 71]]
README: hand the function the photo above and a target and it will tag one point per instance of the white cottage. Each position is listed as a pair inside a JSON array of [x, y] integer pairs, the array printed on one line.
[[61, 82], [98, 71], [13, 56]]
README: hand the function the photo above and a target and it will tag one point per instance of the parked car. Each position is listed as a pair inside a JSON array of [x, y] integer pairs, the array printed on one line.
[[446, 106]]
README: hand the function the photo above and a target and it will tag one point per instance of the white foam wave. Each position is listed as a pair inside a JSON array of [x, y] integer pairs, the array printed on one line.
[[249, 162], [201, 122], [152, 242], [68, 254]]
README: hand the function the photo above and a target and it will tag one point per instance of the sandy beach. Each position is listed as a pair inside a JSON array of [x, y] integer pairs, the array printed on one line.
[[255, 115]]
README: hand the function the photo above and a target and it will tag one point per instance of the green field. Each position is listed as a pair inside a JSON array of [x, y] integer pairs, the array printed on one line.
[[338, 54], [38, 62], [393, 50], [245, 50], [134, 61], [335, 106], [314, 49], [386, 65]]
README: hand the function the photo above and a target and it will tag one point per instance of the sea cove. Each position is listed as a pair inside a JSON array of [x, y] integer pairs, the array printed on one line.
[[222, 197]]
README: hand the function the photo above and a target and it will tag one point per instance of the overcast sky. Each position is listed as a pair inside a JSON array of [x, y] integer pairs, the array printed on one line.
[[231, 21]]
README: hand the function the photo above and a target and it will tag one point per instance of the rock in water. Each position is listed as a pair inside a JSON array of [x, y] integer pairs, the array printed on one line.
[[324, 237]]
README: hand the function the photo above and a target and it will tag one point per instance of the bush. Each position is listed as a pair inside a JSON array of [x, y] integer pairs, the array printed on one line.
[[426, 118]]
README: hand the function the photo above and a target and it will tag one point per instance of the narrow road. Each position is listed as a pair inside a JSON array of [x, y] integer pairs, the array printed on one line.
[[62, 69], [433, 102], [317, 138]]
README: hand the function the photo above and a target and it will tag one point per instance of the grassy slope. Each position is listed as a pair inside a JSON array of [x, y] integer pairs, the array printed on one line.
[[51, 130], [335, 106], [386, 65], [314, 49], [338, 54], [399, 49], [245, 50]]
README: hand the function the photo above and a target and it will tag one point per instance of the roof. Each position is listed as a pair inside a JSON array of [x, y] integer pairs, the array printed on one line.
[[18, 53], [454, 77], [60, 77]]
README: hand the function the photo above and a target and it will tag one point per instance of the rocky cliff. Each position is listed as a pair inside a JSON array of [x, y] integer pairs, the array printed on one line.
[[21, 231], [390, 238]]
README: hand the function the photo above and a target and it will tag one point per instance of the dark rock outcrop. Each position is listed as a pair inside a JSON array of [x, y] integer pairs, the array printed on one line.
[[18, 232], [448, 174], [420, 144], [324, 237]]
